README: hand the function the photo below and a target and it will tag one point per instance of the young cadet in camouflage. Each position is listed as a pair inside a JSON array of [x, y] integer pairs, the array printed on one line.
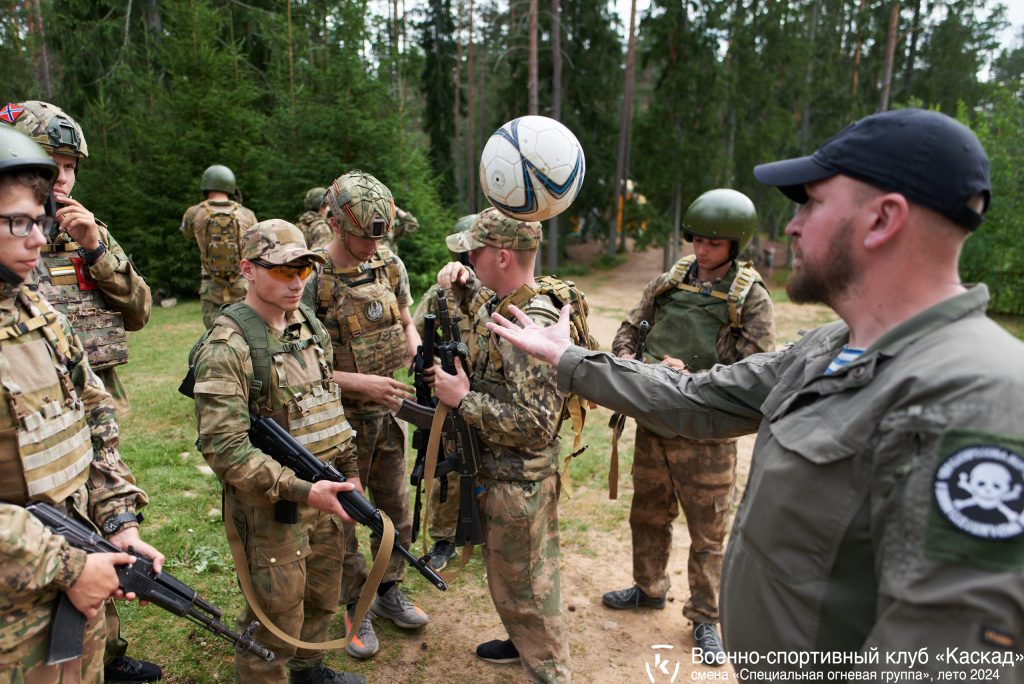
[[295, 566], [444, 516], [83, 271], [217, 224], [881, 528], [313, 222], [512, 402], [405, 224], [707, 309], [59, 446], [86, 275], [362, 297]]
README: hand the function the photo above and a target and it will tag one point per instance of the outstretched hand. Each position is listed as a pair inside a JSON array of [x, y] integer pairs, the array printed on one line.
[[547, 344]]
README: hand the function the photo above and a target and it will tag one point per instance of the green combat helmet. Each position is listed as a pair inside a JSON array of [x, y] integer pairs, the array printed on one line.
[[18, 152], [218, 177], [722, 214], [314, 198], [362, 205], [49, 126]]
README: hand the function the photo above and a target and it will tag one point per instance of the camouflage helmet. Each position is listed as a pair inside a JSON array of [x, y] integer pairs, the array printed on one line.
[[362, 205], [18, 152], [314, 198], [218, 177], [49, 126], [721, 214]]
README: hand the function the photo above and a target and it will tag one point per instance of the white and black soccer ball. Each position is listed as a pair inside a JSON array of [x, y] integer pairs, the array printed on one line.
[[532, 168]]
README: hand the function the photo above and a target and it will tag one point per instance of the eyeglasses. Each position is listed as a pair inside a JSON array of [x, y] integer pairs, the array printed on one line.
[[285, 273], [21, 224]]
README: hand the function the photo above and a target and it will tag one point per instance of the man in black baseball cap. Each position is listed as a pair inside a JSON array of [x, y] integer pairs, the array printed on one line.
[[884, 511]]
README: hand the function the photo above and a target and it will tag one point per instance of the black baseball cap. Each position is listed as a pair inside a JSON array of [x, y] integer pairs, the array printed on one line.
[[928, 157]]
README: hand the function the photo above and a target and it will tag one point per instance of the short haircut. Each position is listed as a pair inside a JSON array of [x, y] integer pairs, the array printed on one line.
[[40, 185], [524, 257]]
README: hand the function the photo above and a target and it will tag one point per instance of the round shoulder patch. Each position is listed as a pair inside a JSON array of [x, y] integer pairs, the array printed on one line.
[[980, 491]]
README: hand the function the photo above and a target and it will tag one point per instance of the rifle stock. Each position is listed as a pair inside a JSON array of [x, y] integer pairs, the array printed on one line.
[[164, 590]]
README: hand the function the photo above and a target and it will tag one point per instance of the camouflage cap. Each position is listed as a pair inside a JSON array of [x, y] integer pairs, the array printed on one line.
[[495, 229], [277, 242], [48, 125]]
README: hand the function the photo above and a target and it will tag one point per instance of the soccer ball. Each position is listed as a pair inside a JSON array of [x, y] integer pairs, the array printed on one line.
[[532, 168]]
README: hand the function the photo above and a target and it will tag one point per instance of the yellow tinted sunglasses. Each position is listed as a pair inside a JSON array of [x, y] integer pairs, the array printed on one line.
[[286, 273]]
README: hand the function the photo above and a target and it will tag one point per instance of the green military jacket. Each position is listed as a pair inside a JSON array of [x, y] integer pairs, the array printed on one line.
[[34, 563], [872, 522]]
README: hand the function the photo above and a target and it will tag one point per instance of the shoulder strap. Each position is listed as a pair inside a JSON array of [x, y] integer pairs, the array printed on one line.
[[746, 277]]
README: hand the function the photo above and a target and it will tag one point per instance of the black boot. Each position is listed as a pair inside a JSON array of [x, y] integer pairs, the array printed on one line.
[[318, 674], [705, 637], [125, 669], [633, 597]]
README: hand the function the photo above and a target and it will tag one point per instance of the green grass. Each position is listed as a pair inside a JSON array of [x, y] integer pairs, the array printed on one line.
[[183, 517]]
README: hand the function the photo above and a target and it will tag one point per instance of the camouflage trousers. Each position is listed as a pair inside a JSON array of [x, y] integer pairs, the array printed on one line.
[[521, 553], [700, 476], [215, 293], [115, 646], [444, 516], [380, 446], [27, 664], [296, 573]]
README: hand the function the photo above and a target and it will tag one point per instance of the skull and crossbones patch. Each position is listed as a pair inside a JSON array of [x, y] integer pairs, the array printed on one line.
[[980, 491]]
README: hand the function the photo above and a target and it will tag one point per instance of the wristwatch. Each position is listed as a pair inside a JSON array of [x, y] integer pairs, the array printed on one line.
[[114, 523], [91, 256]]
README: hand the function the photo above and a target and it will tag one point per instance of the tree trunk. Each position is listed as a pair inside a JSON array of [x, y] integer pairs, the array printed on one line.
[[855, 76], [471, 160], [533, 106], [291, 58], [460, 186], [805, 116], [890, 53], [556, 114], [43, 64], [672, 246], [915, 28], [626, 112]]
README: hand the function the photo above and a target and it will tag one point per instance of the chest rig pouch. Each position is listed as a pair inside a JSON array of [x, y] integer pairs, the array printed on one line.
[[361, 310], [218, 241], [45, 443], [63, 278]]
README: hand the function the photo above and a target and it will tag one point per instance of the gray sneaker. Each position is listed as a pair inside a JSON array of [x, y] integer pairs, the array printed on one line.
[[364, 643], [394, 606]]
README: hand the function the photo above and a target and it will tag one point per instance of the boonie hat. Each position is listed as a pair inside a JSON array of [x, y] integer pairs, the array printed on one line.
[[495, 229], [276, 242], [928, 157]]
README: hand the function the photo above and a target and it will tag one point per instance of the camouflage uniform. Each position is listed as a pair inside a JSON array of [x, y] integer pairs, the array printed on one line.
[[405, 224], [669, 471], [445, 516], [87, 477], [315, 229], [515, 407], [365, 327], [295, 567], [222, 282]]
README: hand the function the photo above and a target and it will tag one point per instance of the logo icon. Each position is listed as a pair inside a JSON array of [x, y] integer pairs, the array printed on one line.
[[660, 670], [374, 311], [980, 491]]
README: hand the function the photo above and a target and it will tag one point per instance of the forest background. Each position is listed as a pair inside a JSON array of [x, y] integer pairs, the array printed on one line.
[[678, 98]]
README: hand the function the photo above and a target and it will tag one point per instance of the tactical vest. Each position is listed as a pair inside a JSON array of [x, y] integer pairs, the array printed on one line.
[[219, 239], [45, 442], [292, 381], [360, 310], [560, 293], [63, 278], [690, 317], [305, 222]]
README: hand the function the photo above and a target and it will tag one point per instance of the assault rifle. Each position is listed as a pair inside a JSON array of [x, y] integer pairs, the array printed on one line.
[[465, 456], [423, 361], [68, 626], [273, 440]]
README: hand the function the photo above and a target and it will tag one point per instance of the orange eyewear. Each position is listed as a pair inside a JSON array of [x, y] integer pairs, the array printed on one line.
[[286, 273]]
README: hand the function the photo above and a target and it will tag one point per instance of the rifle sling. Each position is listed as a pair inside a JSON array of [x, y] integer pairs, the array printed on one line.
[[433, 449], [617, 423], [380, 564]]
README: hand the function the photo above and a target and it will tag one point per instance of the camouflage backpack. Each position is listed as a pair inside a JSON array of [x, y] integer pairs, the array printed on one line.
[[562, 292], [222, 232]]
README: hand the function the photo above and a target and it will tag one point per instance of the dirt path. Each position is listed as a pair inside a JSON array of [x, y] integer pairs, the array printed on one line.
[[606, 645]]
